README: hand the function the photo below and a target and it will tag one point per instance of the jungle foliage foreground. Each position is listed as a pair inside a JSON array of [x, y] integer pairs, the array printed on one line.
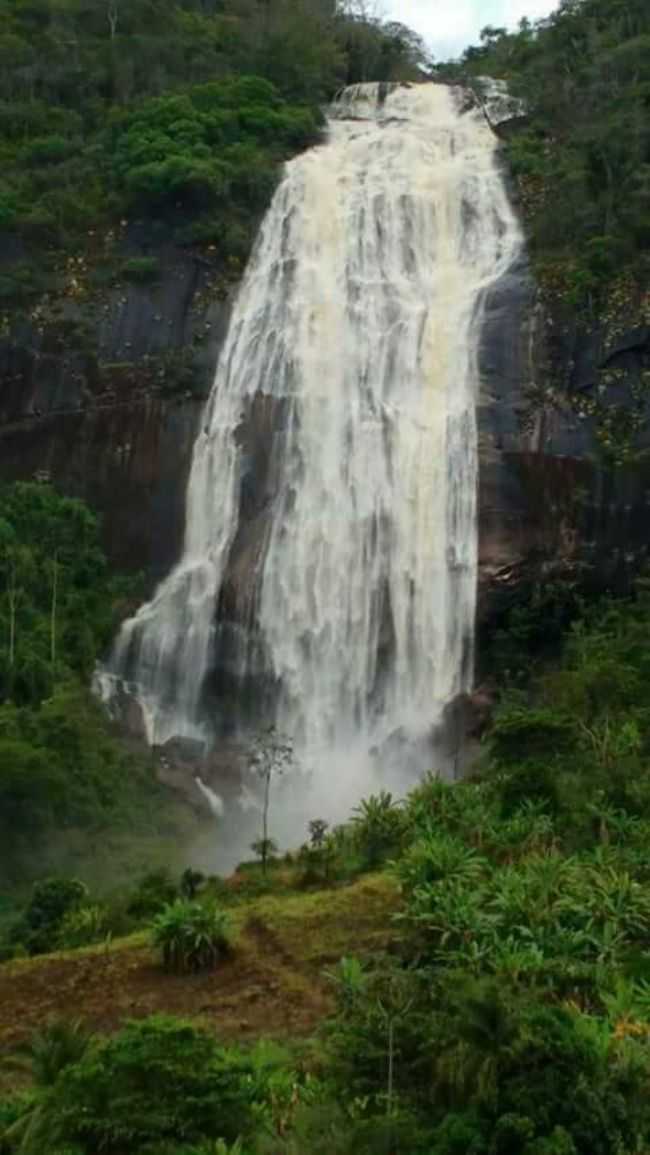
[[66, 781], [515, 966]]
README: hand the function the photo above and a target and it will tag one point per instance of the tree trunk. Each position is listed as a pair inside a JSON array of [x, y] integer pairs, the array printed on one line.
[[113, 15], [55, 583], [391, 1063], [11, 597], [265, 820]]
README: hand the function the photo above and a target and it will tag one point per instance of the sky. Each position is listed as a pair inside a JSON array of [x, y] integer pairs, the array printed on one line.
[[448, 26]]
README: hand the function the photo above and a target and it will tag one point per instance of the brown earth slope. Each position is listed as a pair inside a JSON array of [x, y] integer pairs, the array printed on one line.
[[272, 985]]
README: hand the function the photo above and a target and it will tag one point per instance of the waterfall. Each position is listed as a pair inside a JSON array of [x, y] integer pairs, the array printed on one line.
[[360, 316]]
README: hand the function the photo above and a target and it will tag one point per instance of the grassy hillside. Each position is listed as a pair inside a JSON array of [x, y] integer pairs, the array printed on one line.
[[426, 980], [272, 985]]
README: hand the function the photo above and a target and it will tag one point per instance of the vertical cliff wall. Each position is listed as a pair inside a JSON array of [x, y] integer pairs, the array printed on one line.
[[102, 392]]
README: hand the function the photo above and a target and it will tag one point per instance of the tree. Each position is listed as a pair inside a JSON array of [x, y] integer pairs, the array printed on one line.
[[264, 849], [191, 882], [271, 755], [318, 828]]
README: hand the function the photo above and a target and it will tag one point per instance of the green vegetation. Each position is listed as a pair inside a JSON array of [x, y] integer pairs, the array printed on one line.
[[514, 962], [60, 766], [59, 605], [191, 936], [179, 112], [486, 989], [582, 162], [165, 1080]]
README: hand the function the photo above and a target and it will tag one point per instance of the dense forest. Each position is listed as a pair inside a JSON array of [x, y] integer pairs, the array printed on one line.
[[463, 972], [61, 768], [176, 113], [583, 159]]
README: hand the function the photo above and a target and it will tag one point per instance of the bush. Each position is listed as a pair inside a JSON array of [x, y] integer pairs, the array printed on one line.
[[155, 891], [192, 936], [52, 900], [157, 1086], [83, 926], [379, 826]]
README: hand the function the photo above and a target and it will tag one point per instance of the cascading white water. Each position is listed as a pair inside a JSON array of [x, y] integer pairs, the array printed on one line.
[[361, 311]]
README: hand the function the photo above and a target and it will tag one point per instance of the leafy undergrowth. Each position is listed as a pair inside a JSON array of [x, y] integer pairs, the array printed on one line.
[[273, 984]]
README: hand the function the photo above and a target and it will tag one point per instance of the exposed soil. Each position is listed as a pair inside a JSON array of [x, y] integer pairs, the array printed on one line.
[[273, 984]]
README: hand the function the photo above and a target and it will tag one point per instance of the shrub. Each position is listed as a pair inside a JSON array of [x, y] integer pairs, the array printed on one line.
[[379, 825], [155, 891], [85, 925], [48, 150], [157, 1086], [53, 1049], [52, 899], [192, 936]]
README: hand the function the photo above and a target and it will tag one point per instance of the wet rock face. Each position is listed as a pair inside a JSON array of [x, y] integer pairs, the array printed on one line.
[[550, 502], [103, 396], [129, 462]]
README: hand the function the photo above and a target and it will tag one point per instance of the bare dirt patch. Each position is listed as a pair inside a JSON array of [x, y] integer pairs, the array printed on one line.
[[273, 984]]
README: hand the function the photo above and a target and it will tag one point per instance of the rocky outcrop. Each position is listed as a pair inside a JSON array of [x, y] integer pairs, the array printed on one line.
[[101, 392], [563, 490]]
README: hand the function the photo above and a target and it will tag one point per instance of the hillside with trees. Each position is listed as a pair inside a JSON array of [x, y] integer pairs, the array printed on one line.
[[65, 778], [582, 160], [465, 971], [427, 979], [177, 113]]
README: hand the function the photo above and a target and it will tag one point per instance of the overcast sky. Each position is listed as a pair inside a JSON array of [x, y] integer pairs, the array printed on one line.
[[448, 26]]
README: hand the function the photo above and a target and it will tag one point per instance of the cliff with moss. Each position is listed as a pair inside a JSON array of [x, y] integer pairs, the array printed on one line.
[[141, 144], [141, 150]]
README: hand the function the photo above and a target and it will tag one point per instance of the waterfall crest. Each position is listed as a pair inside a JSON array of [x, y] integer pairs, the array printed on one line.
[[359, 313]]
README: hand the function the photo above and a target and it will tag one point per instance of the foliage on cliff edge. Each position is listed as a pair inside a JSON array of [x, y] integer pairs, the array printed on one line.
[[583, 160]]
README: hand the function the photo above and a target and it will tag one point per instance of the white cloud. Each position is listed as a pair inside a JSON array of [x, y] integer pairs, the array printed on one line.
[[449, 26]]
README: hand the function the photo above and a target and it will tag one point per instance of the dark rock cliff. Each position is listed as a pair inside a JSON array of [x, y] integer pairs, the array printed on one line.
[[102, 393], [562, 490]]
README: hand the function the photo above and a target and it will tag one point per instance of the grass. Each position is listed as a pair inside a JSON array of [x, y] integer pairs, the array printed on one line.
[[272, 986]]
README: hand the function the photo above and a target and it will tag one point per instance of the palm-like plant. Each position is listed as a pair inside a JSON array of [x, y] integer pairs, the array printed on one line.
[[616, 897], [439, 857], [84, 925], [51, 1049], [516, 958], [192, 936], [350, 978], [530, 829], [49, 1052], [379, 823], [628, 1006], [479, 1039], [451, 915]]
